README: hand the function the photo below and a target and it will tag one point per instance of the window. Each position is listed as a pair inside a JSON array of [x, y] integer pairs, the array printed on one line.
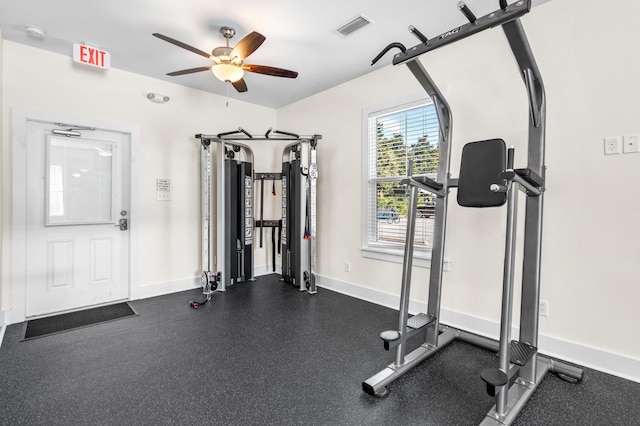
[[80, 179], [393, 137]]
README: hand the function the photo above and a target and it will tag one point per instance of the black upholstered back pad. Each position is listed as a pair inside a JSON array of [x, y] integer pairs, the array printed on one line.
[[481, 164]]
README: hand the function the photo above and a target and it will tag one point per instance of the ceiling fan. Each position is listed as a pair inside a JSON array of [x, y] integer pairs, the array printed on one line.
[[228, 63]]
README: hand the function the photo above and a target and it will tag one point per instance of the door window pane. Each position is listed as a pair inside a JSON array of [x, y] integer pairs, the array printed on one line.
[[79, 181]]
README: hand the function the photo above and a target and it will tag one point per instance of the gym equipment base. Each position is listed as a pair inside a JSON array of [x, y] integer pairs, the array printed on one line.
[[518, 394]]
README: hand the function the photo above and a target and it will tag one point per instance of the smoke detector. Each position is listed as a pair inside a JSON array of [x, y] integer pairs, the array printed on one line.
[[35, 32]]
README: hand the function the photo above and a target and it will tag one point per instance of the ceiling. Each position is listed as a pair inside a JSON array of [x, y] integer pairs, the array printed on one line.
[[300, 36]]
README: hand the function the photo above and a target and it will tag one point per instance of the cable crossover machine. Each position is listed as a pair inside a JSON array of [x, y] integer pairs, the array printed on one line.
[[235, 210], [487, 179]]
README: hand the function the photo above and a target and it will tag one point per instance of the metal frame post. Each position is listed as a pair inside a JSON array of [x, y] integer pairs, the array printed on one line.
[[440, 223], [313, 178], [407, 264], [221, 232], [504, 353], [529, 320], [205, 194]]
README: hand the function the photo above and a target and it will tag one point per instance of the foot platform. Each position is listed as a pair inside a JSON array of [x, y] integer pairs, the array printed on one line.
[[391, 337], [418, 321], [521, 352]]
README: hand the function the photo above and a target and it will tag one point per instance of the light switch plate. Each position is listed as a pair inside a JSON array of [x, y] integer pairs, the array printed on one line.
[[630, 144]]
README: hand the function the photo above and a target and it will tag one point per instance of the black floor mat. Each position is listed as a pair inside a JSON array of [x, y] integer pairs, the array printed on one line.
[[69, 321]]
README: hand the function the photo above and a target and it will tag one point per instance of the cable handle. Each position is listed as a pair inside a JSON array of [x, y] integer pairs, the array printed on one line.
[[386, 49]]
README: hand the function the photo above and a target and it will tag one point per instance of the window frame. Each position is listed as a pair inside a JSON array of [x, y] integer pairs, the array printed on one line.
[[395, 254]]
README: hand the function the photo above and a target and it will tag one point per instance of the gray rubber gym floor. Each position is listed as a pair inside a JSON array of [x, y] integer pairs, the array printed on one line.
[[265, 354]]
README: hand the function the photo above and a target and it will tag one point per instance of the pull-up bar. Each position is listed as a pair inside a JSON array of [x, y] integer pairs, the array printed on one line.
[[506, 13], [242, 134]]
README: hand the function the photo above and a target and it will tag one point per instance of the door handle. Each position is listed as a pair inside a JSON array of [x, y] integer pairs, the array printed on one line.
[[123, 224]]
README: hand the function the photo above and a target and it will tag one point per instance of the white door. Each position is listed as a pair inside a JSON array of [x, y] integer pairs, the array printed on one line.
[[77, 196]]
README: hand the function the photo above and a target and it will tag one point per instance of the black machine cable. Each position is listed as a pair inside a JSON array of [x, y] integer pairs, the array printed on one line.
[[279, 235], [273, 248], [307, 217]]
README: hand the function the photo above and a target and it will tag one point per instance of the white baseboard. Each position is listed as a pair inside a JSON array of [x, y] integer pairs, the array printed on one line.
[[2, 330], [159, 289], [3, 327], [266, 270], [618, 365]]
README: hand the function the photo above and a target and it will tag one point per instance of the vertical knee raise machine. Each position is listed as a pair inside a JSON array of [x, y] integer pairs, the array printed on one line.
[[235, 210], [487, 179]]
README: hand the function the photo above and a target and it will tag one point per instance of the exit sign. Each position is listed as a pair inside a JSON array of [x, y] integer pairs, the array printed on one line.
[[90, 55]]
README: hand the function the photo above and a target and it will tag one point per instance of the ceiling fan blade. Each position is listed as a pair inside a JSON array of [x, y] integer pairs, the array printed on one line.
[[189, 71], [240, 85], [184, 46], [247, 45], [262, 69]]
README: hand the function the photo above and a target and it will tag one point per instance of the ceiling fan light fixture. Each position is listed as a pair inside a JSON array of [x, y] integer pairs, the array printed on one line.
[[228, 62], [227, 72]]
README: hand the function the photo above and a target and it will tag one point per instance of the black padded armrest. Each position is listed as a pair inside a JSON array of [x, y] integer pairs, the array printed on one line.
[[527, 175], [530, 176], [429, 182]]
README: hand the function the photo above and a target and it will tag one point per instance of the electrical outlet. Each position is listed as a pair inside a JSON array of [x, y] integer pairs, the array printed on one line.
[[630, 144], [543, 308], [612, 145], [347, 267]]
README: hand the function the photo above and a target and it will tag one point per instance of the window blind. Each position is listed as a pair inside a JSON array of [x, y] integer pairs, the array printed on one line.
[[395, 137]]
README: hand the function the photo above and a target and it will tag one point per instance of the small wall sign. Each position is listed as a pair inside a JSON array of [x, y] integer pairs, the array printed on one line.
[[163, 185]]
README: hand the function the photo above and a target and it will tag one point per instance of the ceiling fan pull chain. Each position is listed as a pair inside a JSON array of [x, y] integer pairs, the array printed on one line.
[[227, 94]]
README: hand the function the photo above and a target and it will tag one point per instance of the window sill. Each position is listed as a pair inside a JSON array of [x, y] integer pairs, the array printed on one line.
[[420, 259]]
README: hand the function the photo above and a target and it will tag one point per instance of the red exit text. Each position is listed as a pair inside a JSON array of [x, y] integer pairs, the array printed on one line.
[[91, 56]]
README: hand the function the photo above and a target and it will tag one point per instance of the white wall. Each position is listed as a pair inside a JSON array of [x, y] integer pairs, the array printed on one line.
[[2, 195], [169, 231], [591, 246], [591, 249]]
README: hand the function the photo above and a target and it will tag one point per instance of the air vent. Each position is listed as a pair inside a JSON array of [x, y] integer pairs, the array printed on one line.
[[354, 25]]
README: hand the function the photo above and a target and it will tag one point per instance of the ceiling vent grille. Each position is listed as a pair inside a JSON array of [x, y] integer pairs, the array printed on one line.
[[354, 25]]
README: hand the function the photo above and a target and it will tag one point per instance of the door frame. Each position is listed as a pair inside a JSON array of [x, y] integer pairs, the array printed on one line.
[[19, 200]]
